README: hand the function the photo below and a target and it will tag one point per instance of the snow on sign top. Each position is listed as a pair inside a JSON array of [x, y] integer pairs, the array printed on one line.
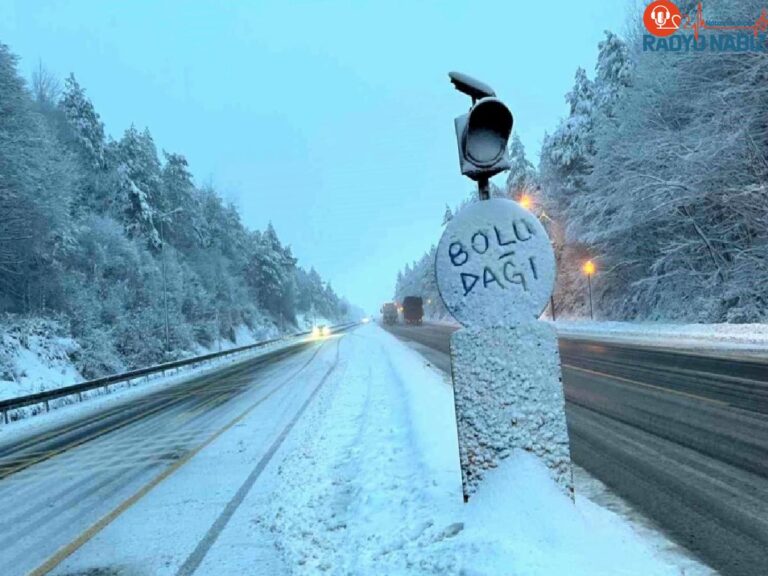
[[495, 265]]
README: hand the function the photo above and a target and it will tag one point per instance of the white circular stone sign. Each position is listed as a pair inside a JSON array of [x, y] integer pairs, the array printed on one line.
[[495, 265]]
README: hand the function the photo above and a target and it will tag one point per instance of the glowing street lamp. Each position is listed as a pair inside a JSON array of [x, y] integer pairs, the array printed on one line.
[[589, 270], [525, 201]]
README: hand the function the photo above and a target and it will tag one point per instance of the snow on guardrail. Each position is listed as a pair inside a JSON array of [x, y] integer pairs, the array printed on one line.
[[44, 398]]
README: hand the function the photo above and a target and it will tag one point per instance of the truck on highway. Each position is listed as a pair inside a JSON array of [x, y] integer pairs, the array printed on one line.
[[389, 313], [413, 309]]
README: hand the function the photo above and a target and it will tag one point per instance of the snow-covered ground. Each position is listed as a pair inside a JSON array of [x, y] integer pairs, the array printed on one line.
[[369, 483], [97, 401], [243, 337], [54, 502], [735, 337], [35, 355], [308, 321], [745, 338]]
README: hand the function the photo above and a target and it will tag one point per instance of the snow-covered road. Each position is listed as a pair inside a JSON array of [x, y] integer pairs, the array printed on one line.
[[339, 459], [369, 483], [172, 458]]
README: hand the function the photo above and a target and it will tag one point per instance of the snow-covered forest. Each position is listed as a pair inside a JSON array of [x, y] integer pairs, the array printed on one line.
[[90, 227], [659, 174]]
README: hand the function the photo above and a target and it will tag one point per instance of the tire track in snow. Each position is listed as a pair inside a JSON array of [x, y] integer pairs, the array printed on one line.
[[67, 550], [197, 556]]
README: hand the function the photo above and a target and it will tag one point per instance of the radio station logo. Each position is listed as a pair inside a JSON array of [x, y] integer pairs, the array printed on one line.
[[662, 18], [669, 30]]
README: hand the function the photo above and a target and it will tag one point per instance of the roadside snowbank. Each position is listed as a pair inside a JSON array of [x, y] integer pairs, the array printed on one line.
[[97, 401], [370, 484], [306, 321], [243, 336], [723, 337], [702, 336], [35, 356]]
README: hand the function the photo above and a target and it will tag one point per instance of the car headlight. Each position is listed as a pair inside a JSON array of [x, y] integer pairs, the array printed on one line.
[[326, 331], [315, 332]]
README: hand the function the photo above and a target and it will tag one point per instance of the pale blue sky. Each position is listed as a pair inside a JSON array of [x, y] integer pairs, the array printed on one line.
[[332, 119]]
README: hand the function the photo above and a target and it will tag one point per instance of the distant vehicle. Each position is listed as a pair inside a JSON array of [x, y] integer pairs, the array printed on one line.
[[321, 331], [413, 309], [389, 313]]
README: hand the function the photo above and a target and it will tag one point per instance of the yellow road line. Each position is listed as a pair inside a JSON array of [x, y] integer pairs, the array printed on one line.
[[636, 383], [195, 384], [67, 550], [192, 389], [51, 453], [86, 422], [64, 430]]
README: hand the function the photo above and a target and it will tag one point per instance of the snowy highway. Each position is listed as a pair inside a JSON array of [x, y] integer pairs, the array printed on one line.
[[331, 456], [684, 437], [496, 307], [62, 485]]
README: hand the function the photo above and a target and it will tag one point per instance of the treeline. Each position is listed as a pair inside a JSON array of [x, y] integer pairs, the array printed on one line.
[[91, 226], [659, 174]]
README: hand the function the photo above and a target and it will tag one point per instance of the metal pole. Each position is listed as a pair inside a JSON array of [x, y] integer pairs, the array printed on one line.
[[589, 283], [546, 222], [552, 307], [218, 334], [165, 286], [483, 189]]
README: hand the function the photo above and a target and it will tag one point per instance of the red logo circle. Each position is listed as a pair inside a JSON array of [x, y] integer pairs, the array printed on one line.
[[662, 18]]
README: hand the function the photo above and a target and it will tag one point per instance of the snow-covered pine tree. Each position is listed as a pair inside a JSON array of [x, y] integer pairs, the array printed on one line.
[[86, 127], [613, 72], [179, 193], [522, 175], [271, 272], [140, 184], [567, 154]]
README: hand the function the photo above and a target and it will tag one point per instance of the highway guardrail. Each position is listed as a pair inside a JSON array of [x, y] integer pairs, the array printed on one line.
[[104, 382]]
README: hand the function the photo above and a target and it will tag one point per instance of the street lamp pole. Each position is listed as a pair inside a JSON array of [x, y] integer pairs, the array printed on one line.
[[163, 217], [589, 270], [526, 201], [552, 306], [218, 329]]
